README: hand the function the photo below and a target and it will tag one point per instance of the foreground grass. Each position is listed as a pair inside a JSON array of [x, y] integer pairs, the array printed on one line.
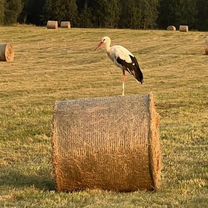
[[59, 65]]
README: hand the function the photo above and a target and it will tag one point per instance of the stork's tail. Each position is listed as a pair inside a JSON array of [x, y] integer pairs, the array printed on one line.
[[137, 73]]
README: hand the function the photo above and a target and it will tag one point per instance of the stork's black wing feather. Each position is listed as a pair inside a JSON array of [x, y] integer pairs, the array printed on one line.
[[133, 67]]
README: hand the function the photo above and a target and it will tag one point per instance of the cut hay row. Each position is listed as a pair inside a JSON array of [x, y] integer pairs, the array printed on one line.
[[107, 143], [6, 52]]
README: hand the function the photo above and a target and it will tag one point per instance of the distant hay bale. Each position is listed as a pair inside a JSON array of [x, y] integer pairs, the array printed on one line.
[[52, 24], [6, 52], [183, 28], [171, 28], [107, 143], [65, 24]]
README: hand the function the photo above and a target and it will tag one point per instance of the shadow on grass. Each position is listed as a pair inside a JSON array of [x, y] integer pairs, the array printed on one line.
[[16, 179]]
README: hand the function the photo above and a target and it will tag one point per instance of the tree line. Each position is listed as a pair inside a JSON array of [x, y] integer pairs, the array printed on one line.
[[135, 14]]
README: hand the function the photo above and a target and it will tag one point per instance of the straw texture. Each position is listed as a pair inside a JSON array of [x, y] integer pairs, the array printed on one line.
[[107, 143], [52, 24], [6, 52], [206, 50]]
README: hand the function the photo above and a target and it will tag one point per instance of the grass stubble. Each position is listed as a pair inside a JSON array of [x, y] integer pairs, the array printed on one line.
[[62, 64]]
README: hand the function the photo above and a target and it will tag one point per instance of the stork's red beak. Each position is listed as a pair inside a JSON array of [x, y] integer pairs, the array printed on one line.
[[99, 45]]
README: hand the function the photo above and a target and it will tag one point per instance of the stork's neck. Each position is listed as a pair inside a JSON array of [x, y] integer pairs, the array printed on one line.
[[107, 46]]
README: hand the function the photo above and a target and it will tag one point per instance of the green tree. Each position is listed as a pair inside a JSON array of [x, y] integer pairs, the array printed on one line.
[[71, 11], [64, 10], [1, 11], [202, 15], [130, 16], [12, 10], [176, 12], [139, 13], [85, 14], [85, 18], [188, 12], [34, 11], [149, 13], [47, 11], [23, 15], [105, 12]]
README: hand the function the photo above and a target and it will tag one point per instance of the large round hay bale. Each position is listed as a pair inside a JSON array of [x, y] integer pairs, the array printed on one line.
[[107, 143], [183, 28], [6, 52], [171, 28], [52, 24], [65, 24]]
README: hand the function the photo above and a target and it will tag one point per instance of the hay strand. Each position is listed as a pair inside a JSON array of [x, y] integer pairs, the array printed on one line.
[[65, 24], [171, 28], [52, 24], [6, 52], [183, 28], [107, 143]]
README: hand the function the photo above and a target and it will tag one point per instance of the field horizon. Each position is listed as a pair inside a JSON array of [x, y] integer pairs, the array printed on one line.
[[53, 65]]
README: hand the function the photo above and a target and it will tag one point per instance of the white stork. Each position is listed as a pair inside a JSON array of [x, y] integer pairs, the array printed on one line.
[[122, 58]]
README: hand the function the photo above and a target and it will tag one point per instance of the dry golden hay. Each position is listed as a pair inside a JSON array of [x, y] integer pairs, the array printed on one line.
[[52, 24], [183, 28], [107, 143], [206, 41], [65, 24], [171, 28], [206, 50], [6, 52]]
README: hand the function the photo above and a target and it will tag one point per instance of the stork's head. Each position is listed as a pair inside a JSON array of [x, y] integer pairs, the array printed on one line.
[[104, 43]]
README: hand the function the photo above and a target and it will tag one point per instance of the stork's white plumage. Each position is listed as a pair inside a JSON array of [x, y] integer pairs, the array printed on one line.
[[123, 59]]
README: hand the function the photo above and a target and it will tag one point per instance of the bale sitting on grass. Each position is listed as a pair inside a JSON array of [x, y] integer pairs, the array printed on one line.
[[183, 28], [107, 143], [52, 24], [65, 24], [6, 52], [171, 28]]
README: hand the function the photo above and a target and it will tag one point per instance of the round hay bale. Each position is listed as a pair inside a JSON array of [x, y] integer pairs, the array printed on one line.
[[52, 24], [171, 28], [183, 28], [65, 24], [107, 143], [6, 52]]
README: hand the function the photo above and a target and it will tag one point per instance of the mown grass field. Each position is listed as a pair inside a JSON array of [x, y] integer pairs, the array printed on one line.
[[59, 65]]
